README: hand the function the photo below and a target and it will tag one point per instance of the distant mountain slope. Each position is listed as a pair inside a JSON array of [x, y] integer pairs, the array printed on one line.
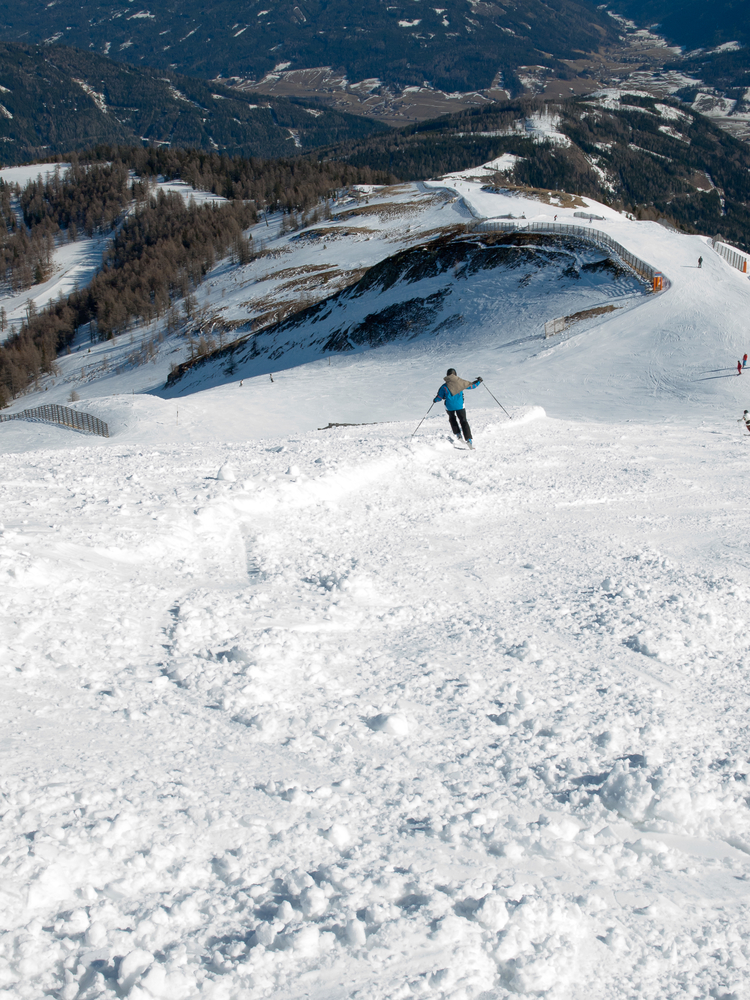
[[707, 32], [693, 24], [457, 46], [55, 99]]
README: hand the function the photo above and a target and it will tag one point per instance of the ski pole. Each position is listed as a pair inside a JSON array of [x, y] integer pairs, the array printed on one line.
[[423, 418], [498, 403]]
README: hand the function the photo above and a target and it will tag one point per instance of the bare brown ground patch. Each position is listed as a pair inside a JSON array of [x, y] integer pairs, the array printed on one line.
[[334, 232], [301, 271], [589, 313], [561, 199], [337, 279], [391, 210]]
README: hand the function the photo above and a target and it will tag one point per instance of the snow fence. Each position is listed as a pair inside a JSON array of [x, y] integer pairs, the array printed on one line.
[[641, 268], [64, 417], [730, 254]]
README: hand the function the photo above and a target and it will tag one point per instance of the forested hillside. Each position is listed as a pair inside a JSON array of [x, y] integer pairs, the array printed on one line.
[[72, 201], [159, 251], [456, 46], [276, 184], [55, 99]]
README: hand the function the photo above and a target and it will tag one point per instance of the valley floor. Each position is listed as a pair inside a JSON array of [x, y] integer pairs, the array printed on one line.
[[376, 719]]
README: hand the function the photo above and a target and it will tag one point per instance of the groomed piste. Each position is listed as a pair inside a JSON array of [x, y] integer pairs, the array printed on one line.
[[345, 713]]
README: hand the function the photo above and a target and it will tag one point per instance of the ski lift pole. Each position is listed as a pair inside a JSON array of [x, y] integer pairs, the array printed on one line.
[[498, 403], [423, 418]]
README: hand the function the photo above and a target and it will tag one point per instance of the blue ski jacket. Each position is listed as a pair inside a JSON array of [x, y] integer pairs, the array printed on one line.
[[453, 402]]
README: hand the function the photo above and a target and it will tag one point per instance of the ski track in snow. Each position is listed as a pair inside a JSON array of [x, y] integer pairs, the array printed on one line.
[[377, 719]]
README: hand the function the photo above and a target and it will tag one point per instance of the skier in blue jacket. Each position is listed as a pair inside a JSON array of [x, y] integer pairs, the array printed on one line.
[[452, 393]]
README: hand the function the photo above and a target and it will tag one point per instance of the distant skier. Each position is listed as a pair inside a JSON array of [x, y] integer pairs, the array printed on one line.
[[700, 262], [744, 360], [452, 394], [745, 418], [739, 367]]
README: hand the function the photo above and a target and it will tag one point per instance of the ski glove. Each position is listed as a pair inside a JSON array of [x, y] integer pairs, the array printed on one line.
[[436, 399], [477, 380]]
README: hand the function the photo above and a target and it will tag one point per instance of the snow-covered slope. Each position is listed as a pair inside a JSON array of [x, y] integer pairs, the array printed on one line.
[[442, 297], [351, 713], [407, 719], [73, 266], [647, 361]]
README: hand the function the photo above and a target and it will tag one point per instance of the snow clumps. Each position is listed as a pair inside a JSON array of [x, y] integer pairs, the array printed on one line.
[[393, 724]]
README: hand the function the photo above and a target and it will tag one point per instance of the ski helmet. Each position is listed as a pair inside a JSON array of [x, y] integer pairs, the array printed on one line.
[[451, 371]]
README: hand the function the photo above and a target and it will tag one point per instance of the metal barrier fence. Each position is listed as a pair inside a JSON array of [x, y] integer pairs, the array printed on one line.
[[640, 267], [64, 416], [732, 256]]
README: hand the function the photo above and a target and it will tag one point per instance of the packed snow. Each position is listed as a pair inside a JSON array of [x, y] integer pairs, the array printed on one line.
[[357, 712]]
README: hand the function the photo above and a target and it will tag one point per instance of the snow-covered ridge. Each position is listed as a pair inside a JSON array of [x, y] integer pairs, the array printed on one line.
[[442, 292]]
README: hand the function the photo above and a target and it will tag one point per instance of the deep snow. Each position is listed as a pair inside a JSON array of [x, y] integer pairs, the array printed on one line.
[[344, 713], [377, 719]]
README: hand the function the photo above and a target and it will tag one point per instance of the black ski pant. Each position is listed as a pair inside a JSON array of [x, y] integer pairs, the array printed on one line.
[[459, 415]]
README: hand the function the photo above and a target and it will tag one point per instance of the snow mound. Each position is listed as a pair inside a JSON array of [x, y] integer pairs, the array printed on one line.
[[227, 474], [394, 724]]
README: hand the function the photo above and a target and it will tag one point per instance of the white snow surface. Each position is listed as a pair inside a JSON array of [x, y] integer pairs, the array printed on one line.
[[23, 175], [350, 713], [73, 266], [189, 193]]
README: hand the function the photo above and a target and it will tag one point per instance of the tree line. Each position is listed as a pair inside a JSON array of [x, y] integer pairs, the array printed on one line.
[[87, 198], [286, 184], [159, 254], [161, 250], [25, 255], [80, 199], [92, 194]]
